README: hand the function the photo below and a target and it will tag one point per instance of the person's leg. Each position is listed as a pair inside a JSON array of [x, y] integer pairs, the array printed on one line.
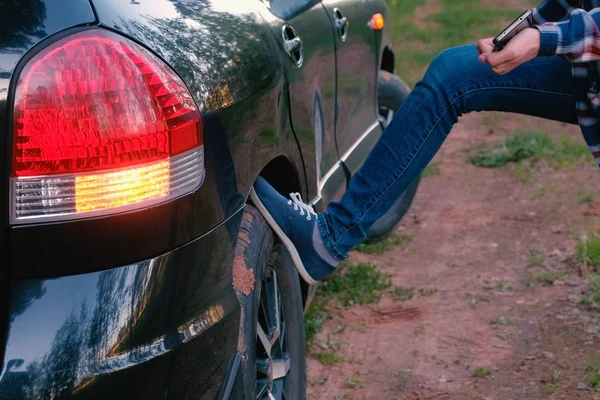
[[456, 83]]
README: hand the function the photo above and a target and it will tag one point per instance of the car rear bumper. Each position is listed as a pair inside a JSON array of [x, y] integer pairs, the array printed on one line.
[[160, 328]]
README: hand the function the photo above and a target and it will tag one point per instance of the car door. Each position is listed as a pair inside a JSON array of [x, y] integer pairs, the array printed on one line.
[[357, 127], [303, 31]]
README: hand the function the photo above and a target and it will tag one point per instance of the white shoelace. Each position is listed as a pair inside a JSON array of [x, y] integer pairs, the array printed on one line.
[[296, 201]]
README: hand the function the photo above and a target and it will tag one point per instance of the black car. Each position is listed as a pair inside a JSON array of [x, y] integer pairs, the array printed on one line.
[[131, 264]]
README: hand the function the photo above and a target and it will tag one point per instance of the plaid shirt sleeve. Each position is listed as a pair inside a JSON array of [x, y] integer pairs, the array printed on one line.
[[567, 30]]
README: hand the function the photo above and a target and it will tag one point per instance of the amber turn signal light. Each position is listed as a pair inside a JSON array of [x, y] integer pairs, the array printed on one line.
[[377, 22]]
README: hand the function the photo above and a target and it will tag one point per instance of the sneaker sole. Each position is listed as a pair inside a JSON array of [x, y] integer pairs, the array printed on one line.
[[286, 240]]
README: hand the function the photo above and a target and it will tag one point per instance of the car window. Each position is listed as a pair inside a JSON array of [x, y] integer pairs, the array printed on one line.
[[288, 9]]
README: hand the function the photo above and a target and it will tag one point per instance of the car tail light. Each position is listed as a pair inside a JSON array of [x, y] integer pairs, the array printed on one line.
[[101, 126]]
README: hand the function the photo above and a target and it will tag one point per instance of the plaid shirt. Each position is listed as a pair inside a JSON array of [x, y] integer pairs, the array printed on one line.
[[570, 28]]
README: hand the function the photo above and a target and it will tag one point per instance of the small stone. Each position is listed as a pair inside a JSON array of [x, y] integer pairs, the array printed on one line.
[[556, 229], [320, 380], [467, 365], [561, 317], [547, 355], [591, 329], [558, 283], [582, 386], [445, 379], [573, 298], [530, 358]]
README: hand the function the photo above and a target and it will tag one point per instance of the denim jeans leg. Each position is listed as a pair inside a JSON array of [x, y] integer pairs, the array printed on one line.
[[455, 83]]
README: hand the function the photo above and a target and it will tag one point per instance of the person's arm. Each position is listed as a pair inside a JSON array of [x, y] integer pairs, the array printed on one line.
[[550, 11], [577, 38]]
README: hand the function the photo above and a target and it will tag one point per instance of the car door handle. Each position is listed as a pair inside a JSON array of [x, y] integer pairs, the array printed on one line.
[[292, 45], [341, 23]]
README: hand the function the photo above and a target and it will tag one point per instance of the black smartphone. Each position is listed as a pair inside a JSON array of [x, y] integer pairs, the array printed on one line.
[[523, 22]]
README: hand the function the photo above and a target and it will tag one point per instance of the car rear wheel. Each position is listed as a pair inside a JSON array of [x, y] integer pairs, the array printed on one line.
[[391, 93], [272, 329]]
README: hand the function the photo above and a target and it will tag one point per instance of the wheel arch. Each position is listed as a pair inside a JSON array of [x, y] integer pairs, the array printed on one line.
[[281, 173], [387, 60]]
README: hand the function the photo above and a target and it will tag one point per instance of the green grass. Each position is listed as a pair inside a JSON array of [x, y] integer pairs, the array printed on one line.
[[551, 387], [593, 296], [353, 382], [536, 259], [548, 278], [432, 169], [586, 302], [531, 146], [480, 372], [315, 317], [586, 198], [543, 191], [455, 22], [524, 172], [588, 252], [401, 293], [356, 283], [353, 283], [402, 382], [384, 243], [592, 370], [329, 357], [426, 292], [595, 286], [501, 320]]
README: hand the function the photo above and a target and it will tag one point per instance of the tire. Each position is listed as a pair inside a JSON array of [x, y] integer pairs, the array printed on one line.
[[391, 93], [274, 273]]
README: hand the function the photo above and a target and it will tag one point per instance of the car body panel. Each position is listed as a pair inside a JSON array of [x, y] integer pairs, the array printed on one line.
[[311, 89], [244, 106], [22, 25], [224, 52], [137, 331], [357, 98]]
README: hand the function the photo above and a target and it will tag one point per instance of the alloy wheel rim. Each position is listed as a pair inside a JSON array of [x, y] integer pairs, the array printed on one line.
[[272, 357]]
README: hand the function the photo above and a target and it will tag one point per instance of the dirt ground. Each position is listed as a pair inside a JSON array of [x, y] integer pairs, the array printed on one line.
[[477, 234]]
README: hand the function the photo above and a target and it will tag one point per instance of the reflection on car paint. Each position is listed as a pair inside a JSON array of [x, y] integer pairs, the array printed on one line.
[[93, 316]]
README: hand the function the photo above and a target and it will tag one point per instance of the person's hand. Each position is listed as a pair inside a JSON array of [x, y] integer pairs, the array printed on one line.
[[485, 45], [522, 48]]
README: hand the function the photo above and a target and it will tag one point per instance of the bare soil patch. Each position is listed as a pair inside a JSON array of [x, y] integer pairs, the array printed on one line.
[[482, 324]]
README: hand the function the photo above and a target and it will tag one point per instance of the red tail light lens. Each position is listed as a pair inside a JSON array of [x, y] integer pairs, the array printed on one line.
[[101, 126]]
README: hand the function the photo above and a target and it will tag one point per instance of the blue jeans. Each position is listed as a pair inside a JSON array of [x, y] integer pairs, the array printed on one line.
[[456, 83]]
